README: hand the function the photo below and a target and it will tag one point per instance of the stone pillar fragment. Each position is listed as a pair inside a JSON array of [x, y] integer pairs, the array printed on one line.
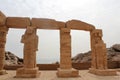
[[66, 69], [99, 55], [30, 40], [99, 51]]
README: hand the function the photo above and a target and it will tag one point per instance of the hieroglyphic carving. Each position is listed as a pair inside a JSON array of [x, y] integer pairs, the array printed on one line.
[[66, 69]]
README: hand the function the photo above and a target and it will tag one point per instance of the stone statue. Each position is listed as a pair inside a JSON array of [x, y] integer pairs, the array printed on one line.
[[30, 40], [100, 50]]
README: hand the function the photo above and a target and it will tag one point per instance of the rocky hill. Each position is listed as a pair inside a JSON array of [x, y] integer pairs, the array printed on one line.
[[113, 54], [11, 59]]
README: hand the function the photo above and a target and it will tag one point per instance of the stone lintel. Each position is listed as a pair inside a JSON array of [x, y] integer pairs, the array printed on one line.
[[42, 23], [2, 19], [79, 25], [18, 22], [61, 24]]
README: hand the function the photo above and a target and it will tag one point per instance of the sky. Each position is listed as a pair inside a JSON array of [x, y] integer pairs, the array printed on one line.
[[103, 14]]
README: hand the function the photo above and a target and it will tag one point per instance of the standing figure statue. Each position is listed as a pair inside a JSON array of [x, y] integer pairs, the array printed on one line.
[[100, 50], [30, 40]]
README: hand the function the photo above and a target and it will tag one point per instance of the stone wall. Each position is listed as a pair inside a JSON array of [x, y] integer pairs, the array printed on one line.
[[79, 66]]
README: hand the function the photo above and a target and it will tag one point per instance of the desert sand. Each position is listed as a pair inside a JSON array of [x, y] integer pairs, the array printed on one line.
[[51, 75]]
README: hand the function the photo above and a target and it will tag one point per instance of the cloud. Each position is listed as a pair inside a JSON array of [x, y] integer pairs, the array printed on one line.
[[104, 14]]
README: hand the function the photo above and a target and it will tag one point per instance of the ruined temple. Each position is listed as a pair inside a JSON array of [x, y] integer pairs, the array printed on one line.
[[30, 40]]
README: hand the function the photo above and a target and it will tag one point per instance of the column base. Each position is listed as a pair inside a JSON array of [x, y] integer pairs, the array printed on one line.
[[2, 72], [106, 72], [67, 72], [27, 73]]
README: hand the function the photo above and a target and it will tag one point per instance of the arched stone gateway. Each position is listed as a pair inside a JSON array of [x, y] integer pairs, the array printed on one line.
[[30, 40]]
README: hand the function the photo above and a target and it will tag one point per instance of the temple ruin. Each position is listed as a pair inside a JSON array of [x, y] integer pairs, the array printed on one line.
[[30, 41]]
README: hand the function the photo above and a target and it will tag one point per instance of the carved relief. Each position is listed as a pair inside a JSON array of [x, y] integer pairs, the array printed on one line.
[[30, 40], [99, 50]]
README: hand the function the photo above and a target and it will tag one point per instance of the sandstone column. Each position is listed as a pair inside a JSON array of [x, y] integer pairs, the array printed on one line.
[[30, 40], [99, 52], [93, 62], [66, 69], [3, 33]]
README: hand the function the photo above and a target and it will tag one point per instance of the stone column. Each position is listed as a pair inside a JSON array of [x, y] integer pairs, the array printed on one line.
[[93, 62], [66, 69], [30, 40], [99, 55], [3, 32]]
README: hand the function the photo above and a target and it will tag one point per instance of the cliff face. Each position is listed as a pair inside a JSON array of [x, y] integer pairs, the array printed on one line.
[[113, 54], [11, 59]]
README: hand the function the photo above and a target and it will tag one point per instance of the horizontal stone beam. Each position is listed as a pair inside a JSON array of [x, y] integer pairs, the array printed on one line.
[[42, 23], [79, 25], [2, 19], [17, 22]]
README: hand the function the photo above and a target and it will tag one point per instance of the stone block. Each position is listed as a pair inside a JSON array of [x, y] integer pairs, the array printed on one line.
[[18, 22], [104, 72], [61, 24], [65, 51], [2, 19], [67, 73], [42, 23], [27, 73], [65, 66], [64, 30], [2, 72], [79, 25]]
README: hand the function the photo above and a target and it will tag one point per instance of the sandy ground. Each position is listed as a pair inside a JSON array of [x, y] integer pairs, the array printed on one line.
[[51, 75]]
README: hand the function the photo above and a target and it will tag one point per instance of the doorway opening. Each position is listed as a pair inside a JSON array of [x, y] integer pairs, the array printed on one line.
[[13, 43], [80, 42], [48, 47]]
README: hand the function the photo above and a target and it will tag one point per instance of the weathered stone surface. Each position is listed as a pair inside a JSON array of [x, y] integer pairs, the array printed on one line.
[[27, 73], [79, 25], [106, 72], [18, 22], [11, 59], [112, 55], [61, 24], [30, 40], [2, 19], [116, 47], [42, 23], [3, 33], [65, 69], [67, 73]]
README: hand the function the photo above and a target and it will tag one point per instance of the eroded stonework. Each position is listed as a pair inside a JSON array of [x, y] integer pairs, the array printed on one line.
[[30, 41]]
